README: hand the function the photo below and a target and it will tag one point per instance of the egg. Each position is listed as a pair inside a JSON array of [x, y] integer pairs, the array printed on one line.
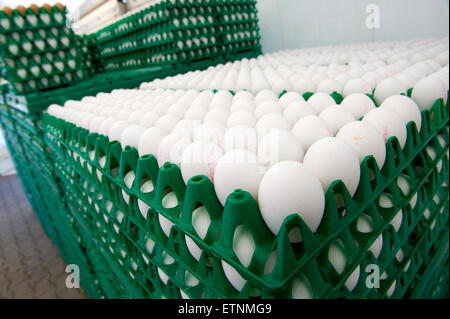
[[131, 135], [388, 123], [310, 129], [304, 85], [329, 86], [364, 225], [296, 110], [241, 117], [265, 96], [233, 276], [210, 132], [237, 169], [358, 104], [301, 289], [427, 91], [167, 122], [357, 86], [289, 187], [331, 159], [336, 117], [405, 107], [270, 121], [279, 145], [149, 141], [365, 140], [116, 130], [240, 137], [386, 88], [266, 108], [149, 119], [200, 158], [290, 97], [171, 148], [216, 115], [319, 101]]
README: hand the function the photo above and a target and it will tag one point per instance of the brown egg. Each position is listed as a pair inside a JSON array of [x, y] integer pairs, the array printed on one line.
[[47, 7], [60, 6], [35, 8], [7, 11], [22, 10]]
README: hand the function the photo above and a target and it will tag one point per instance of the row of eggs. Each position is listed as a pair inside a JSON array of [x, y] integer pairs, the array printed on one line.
[[288, 70]]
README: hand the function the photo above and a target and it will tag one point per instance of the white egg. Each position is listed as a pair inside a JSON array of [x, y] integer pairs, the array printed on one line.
[[329, 86], [177, 110], [149, 141], [210, 132], [310, 129], [289, 187], [331, 159], [136, 117], [336, 117], [242, 95], [242, 104], [171, 148], [200, 158], [405, 107], [131, 135], [241, 117], [358, 104], [264, 96], [365, 140], [271, 121], [277, 146], [149, 119], [237, 169], [427, 91], [290, 97], [296, 110], [301, 289], [116, 130], [357, 86], [386, 88], [267, 107], [240, 137], [217, 115], [319, 101], [233, 276], [167, 122], [388, 123]]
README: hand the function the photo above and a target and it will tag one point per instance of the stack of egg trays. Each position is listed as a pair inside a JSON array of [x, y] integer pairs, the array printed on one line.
[[39, 55], [309, 258], [92, 60], [170, 32], [238, 25]]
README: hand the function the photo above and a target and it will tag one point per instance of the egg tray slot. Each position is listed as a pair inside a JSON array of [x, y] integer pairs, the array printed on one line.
[[169, 176]]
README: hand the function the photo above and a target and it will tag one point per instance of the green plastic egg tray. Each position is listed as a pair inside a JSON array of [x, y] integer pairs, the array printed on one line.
[[122, 236], [171, 32], [38, 56]]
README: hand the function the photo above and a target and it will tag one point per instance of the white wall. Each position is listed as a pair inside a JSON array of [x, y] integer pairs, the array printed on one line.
[[290, 24]]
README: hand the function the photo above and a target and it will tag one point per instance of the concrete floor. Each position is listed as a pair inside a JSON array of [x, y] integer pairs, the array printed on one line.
[[30, 265]]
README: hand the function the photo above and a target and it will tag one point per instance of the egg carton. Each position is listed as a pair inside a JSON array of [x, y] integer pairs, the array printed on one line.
[[84, 151]]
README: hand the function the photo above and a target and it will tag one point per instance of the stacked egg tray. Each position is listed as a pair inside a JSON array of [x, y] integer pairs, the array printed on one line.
[[180, 32], [38, 50], [24, 140], [148, 264], [104, 82], [92, 59]]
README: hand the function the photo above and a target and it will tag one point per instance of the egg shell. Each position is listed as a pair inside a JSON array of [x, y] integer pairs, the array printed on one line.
[[277, 146], [265, 96], [131, 135], [237, 169], [290, 97], [386, 88], [405, 107], [357, 86], [233, 276], [200, 158], [167, 122], [193, 248], [301, 289], [310, 129], [289, 187], [149, 141], [266, 108], [336, 117], [358, 104], [331, 159], [388, 123], [329, 86], [149, 119], [427, 91], [319, 101], [272, 120], [241, 117], [210, 132], [297, 110], [242, 104], [171, 148], [365, 140], [240, 137], [116, 130]]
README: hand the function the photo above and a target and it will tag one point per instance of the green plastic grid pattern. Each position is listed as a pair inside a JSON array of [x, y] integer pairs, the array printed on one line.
[[134, 234]]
